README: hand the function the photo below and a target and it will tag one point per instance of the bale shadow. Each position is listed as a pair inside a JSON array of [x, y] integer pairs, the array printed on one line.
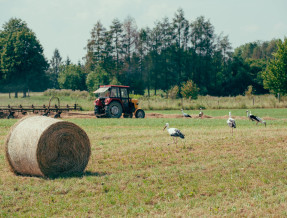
[[79, 175]]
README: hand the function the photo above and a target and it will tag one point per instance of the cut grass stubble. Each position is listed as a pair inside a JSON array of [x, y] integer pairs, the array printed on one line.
[[136, 170]]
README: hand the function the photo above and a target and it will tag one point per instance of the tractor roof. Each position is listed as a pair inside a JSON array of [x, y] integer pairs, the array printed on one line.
[[103, 86]]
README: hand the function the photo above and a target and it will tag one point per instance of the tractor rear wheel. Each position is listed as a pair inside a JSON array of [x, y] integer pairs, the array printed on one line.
[[114, 110], [140, 113]]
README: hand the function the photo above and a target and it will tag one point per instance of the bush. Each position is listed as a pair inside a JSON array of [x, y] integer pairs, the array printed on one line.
[[173, 93], [249, 91], [66, 92], [189, 90]]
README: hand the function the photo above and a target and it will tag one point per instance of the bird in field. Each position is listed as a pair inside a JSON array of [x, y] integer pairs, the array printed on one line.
[[255, 118], [231, 122], [248, 115], [174, 133], [200, 113], [185, 114]]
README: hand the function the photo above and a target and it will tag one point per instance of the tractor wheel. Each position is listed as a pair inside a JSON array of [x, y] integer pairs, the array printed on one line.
[[114, 110], [140, 113]]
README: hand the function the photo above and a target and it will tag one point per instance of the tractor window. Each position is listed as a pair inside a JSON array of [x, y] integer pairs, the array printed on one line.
[[115, 92], [124, 93], [104, 94]]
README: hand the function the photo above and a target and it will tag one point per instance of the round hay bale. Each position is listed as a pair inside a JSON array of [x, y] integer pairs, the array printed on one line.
[[43, 146]]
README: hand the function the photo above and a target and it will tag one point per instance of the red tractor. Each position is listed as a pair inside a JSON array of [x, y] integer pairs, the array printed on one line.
[[113, 101]]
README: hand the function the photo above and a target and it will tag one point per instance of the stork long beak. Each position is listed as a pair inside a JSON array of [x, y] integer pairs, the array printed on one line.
[[164, 128]]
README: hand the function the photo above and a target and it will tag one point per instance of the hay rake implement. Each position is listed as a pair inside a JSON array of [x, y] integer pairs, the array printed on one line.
[[45, 110]]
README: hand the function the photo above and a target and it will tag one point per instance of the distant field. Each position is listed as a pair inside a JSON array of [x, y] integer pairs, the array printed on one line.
[[136, 170]]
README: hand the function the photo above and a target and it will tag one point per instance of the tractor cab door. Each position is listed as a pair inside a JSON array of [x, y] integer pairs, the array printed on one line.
[[125, 99], [115, 93]]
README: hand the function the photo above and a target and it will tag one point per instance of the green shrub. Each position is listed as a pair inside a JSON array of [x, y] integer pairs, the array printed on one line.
[[189, 90], [66, 92], [173, 93]]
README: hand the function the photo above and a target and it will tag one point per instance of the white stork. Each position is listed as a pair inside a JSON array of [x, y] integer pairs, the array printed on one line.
[[231, 122], [200, 113], [185, 114], [173, 132], [248, 115], [255, 118]]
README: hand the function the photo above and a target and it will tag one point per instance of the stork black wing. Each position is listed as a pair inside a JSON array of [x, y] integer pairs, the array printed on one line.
[[252, 117], [178, 134]]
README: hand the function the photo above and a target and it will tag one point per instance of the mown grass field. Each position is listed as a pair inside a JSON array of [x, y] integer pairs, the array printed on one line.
[[136, 170]]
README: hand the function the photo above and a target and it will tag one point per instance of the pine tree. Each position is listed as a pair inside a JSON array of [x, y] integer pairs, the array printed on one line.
[[54, 69]]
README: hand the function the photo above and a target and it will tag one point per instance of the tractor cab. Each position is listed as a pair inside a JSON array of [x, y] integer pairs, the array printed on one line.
[[113, 101]]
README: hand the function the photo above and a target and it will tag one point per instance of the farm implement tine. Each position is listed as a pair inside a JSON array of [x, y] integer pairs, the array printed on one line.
[[11, 114]]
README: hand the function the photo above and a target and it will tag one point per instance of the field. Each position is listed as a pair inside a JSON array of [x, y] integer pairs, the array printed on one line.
[[136, 170]]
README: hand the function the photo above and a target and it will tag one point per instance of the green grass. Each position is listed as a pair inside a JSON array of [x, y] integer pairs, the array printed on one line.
[[136, 170]]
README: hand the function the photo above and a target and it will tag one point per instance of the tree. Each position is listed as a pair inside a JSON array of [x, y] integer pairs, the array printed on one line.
[[23, 64], [130, 37], [96, 78], [54, 69], [275, 76], [72, 77], [180, 35], [156, 42], [166, 54], [202, 39], [95, 47], [189, 90], [116, 32]]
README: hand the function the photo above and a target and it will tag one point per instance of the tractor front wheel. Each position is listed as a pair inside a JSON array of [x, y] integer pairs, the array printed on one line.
[[97, 112], [140, 113], [114, 110]]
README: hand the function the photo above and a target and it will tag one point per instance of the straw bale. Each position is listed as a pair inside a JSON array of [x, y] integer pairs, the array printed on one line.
[[43, 146]]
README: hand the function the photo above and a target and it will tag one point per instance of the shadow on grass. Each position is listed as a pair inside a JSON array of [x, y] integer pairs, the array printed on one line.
[[80, 175], [72, 175]]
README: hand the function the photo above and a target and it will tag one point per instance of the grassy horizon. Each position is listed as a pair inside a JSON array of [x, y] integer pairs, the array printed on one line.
[[151, 103]]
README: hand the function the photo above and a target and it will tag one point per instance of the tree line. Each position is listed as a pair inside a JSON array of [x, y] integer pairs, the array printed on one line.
[[170, 54]]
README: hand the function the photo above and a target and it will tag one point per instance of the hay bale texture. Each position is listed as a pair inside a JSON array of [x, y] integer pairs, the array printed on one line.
[[43, 146]]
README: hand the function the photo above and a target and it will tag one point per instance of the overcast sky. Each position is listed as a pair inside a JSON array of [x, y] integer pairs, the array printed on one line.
[[66, 24]]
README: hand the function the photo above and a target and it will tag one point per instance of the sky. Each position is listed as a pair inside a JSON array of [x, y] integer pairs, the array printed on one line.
[[66, 24]]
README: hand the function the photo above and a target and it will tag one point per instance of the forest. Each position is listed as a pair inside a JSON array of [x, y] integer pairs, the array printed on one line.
[[171, 55]]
